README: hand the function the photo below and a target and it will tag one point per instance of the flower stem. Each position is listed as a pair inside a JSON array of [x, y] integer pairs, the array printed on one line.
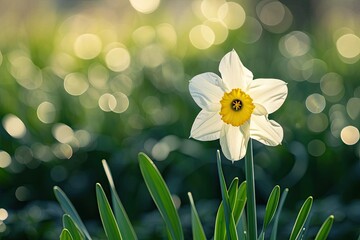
[[250, 191]]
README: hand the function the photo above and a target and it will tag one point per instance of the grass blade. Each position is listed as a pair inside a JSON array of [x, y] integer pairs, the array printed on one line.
[[220, 226], [122, 219], [197, 229], [107, 217], [301, 218], [161, 196], [271, 206], [69, 224], [229, 219], [277, 215], [68, 208], [65, 235], [325, 228], [240, 202]]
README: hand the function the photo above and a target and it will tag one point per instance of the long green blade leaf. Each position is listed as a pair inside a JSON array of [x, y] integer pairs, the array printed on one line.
[[240, 202], [229, 218], [69, 224], [65, 235], [107, 217], [161, 196], [277, 216], [122, 219], [68, 208], [220, 226], [325, 228], [271, 206], [197, 229], [301, 218]]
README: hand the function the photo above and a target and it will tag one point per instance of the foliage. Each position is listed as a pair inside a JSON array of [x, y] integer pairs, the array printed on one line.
[[234, 199]]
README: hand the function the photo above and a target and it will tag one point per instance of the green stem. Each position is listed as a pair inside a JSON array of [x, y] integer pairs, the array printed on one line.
[[250, 190]]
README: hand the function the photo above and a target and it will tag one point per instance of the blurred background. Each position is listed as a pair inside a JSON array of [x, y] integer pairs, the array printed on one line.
[[82, 81]]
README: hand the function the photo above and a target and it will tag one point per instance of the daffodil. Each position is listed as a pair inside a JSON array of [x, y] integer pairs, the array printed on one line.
[[235, 107]]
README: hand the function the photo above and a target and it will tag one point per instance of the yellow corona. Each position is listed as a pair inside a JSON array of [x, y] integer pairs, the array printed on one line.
[[236, 107]]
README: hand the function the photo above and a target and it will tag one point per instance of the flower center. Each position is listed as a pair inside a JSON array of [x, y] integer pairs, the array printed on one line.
[[236, 107]]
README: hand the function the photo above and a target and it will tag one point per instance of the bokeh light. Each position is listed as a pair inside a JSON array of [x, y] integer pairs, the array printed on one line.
[[3, 214], [145, 6], [315, 103], [348, 46], [46, 112], [87, 46], [202, 36], [75, 84], [14, 126], [118, 59], [5, 159], [350, 135]]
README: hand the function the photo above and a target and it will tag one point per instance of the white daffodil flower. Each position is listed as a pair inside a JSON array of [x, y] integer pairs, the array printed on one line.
[[235, 107]]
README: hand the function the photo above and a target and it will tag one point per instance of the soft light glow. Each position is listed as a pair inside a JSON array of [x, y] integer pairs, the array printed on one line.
[[232, 15], [350, 135], [98, 76], [14, 126], [46, 112], [3, 214], [315, 103], [87, 46], [353, 108], [348, 45], [210, 8], [144, 35], [145, 6], [272, 13], [26, 73], [75, 84], [253, 30], [294, 44], [331, 84], [275, 16], [202, 37], [167, 35], [107, 102], [62, 151], [152, 56], [22, 193], [1, 58], [118, 59], [5, 159], [317, 122], [220, 31], [63, 133], [122, 102], [316, 147]]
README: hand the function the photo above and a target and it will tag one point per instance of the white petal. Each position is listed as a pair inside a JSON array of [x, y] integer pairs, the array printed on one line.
[[270, 93], [207, 126], [233, 141], [260, 109], [233, 72], [206, 90], [266, 131]]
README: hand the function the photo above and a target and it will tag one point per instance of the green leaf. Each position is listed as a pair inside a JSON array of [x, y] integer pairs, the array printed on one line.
[[271, 206], [229, 218], [220, 226], [240, 202], [68, 208], [197, 229], [301, 218], [161, 196], [122, 219], [107, 217], [69, 224], [65, 235], [277, 216], [325, 228]]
